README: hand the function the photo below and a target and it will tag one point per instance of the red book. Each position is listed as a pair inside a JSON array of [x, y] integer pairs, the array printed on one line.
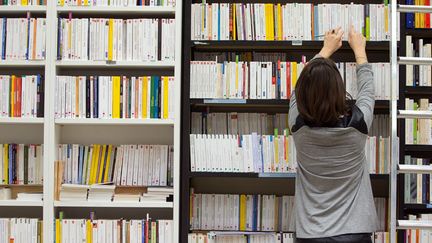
[[427, 16], [288, 79], [146, 240], [19, 97]]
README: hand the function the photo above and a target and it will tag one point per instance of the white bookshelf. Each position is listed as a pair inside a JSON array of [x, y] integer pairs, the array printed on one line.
[[7, 120], [116, 64], [20, 203], [114, 122], [22, 64], [22, 9], [51, 131], [96, 204], [141, 10]]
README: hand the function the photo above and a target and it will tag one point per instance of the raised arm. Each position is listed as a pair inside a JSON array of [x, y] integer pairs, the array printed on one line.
[[365, 84]]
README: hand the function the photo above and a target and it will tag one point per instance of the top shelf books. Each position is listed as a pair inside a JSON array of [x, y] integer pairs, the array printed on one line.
[[292, 21], [116, 3]]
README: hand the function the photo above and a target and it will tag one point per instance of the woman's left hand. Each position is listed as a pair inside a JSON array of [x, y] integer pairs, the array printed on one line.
[[332, 42]]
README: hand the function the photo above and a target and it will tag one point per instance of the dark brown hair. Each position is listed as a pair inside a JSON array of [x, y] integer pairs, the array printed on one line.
[[320, 94]]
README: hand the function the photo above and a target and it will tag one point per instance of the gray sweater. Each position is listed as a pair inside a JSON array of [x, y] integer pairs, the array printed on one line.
[[333, 190]]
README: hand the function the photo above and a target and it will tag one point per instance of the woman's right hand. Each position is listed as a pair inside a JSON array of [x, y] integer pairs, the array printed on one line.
[[357, 43]]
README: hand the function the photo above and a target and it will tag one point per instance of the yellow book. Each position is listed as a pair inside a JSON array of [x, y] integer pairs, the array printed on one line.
[[62, 2], [243, 212], [417, 15], [12, 97], [279, 21], [86, 2], [6, 163], [145, 97], [94, 163], [270, 34], [422, 15], [110, 39], [89, 235], [24, 2], [108, 163], [386, 17], [116, 97], [101, 164], [57, 230], [165, 97], [234, 22], [293, 75]]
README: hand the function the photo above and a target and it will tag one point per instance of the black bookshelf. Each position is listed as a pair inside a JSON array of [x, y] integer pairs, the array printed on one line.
[[253, 183]]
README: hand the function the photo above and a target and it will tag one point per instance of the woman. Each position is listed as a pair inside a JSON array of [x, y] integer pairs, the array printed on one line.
[[333, 200]]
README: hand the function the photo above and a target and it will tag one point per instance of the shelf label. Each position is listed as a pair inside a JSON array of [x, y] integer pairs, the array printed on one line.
[[297, 43], [224, 101]]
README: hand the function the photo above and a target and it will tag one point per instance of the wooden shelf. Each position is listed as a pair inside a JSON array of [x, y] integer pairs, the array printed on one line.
[[116, 122], [419, 33], [278, 45], [418, 92], [411, 208], [422, 151], [103, 204]]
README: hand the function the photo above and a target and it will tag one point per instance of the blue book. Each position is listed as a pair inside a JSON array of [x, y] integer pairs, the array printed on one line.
[[10, 163], [409, 16], [254, 212], [156, 95], [3, 51], [59, 40], [143, 231], [219, 23], [80, 165]]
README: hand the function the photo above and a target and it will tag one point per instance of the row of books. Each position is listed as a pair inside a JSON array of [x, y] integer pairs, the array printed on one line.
[[418, 131], [21, 96], [418, 75], [23, 2], [221, 237], [269, 80], [118, 3], [417, 186], [21, 164], [418, 20], [419, 235], [291, 21], [104, 230], [260, 123], [232, 212], [116, 39], [114, 97], [22, 38], [21, 230], [255, 153], [127, 165], [238, 123]]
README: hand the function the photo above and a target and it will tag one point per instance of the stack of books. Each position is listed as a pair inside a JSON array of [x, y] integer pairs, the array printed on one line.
[[418, 75], [162, 194], [101, 192], [72, 192], [418, 131], [23, 196], [117, 3]]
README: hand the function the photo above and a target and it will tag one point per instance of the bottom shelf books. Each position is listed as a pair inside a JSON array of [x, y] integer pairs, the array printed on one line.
[[252, 213], [104, 231], [419, 235], [232, 237], [20, 230]]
